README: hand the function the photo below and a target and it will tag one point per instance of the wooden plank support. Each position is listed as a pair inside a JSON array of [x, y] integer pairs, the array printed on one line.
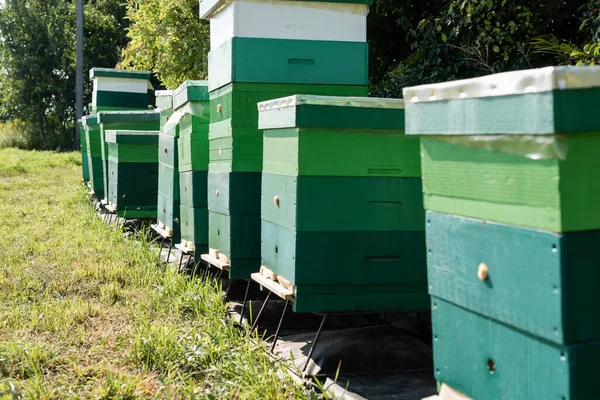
[[275, 287], [215, 262], [447, 393], [161, 231], [184, 248]]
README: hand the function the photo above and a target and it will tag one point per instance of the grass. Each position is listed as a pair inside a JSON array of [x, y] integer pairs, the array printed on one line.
[[87, 313]]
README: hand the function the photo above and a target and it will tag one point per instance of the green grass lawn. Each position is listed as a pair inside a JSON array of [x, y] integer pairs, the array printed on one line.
[[85, 313]]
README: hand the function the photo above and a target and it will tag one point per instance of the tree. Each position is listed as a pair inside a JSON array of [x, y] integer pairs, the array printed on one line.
[[168, 38], [466, 38], [37, 51]]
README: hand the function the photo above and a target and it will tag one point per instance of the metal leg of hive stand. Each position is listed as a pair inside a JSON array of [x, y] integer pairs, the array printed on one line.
[[206, 272], [169, 253], [180, 261], [245, 299], [162, 243], [227, 291], [287, 302], [262, 308], [220, 275], [314, 343]]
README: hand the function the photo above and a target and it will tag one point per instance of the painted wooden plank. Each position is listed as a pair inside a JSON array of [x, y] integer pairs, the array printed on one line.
[[168, 150], [398, 299], [194, 227], [242, 152], [238, 237], [106, 101], [333, 152], [124, 153], [539, 101], [193, 188], [190, 91], [234, 193], [119, 73], [289, 61], [193, 149], [310, 111], [168, 181], [164, 99], [344, 258], [555, 195], [282, 19], [168, 213], [133, 187], [237, 102], [323, 203], [485, 359], [536, 281], [150, 118], [209, 7]]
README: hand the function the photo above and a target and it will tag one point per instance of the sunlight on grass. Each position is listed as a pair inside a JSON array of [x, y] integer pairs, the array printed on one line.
[[85, 313]]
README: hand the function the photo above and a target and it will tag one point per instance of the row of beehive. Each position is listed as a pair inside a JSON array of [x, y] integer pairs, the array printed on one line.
[[512, 222]]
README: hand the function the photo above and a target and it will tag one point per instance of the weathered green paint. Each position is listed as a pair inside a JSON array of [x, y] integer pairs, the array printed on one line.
[[234, 193], [466, 344], [193, 144], [168, 180], [258, 60], [238, 237], [169, 214], [168, 150], [237, 102], [555, 195], [194, 227], [242, 153], [324, 203], [558, 111], [119, 73], [337, 152], [190, 91], [193, 188], [345, 258], [538, 281]]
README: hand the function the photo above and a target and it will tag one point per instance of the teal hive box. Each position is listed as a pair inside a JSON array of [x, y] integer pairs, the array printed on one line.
[[85, 166], [342, 210], [511, 186], [192, 103], [132, 172], [94, 152], [118, 89], [123, 120]]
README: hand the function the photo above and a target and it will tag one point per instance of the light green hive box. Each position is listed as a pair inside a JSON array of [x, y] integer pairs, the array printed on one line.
[[342, 211]]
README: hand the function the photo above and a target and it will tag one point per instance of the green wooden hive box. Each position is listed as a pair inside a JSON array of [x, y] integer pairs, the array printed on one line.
[[94, 152], [164, 99], [342, 209], [132, 172], [510, 185], [123, 120], [85, 162], [191, 100], [168, 180], [118, 89]]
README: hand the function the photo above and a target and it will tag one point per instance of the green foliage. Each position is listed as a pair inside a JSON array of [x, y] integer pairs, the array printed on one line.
[[585, 51], [37, 81], [168, 38], [467, 38]]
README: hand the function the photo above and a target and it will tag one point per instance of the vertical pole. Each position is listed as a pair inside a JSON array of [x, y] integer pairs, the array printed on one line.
[[79, 72]]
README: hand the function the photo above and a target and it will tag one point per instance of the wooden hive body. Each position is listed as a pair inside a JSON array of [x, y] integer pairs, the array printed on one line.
[[510, 183], [133, 172], [342, 211], [94, 152]]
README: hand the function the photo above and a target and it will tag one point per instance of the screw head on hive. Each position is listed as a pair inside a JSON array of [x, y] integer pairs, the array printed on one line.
[[219, 108], [217, 192], [276, 200]]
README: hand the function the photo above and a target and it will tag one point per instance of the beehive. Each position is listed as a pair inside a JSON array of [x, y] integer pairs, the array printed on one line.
[[342, 210], [259, 51], [192, 102], [164, 99], [94, 152], [510, 185], [85, 166], [133, 172], [123, 120], [117, 89]]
